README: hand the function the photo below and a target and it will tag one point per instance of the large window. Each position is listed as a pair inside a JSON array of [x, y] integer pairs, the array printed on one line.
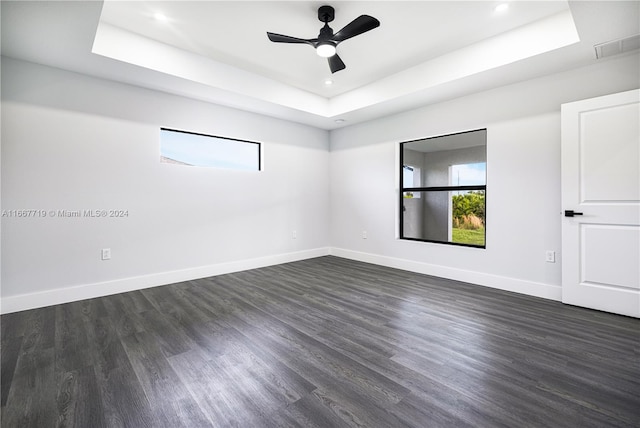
[[191, 149], [443, 182]]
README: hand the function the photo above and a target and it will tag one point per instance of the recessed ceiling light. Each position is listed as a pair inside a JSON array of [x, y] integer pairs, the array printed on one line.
[[159, 16], [328, 82], [502, 7]]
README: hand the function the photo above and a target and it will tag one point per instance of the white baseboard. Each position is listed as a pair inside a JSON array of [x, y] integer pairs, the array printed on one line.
[[531, 288], [41, 299], [88, 291]]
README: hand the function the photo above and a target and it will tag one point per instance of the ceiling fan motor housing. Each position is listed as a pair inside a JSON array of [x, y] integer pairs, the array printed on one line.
[[326, 33]]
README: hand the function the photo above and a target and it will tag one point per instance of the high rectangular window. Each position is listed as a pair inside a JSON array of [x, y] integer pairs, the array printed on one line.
[[443, 182], [192, 149]]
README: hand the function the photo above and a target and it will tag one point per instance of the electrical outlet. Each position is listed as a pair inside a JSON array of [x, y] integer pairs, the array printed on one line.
[[294, 234], [364, 234], [106, 254], [550, 256]]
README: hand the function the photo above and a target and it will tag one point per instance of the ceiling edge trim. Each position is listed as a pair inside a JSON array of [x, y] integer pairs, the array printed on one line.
[[542, 36], [122, 45]]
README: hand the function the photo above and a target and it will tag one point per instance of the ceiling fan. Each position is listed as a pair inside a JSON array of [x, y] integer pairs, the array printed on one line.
[[326, 42]]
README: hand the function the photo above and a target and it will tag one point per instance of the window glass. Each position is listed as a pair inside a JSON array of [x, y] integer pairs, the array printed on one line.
[[191, 149], [411, 176], [447, 204], [468, 174]]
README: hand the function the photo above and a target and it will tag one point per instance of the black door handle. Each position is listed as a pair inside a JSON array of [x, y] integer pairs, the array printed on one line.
[[570, 213]]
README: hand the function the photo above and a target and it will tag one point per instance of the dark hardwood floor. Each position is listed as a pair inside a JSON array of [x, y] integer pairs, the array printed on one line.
[[323, 343]]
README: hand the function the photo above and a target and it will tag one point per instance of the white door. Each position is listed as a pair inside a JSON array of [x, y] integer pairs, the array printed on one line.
[[601, 185]]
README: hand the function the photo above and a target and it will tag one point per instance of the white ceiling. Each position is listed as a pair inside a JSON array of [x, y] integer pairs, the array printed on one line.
[[217, 51], [235, 33]]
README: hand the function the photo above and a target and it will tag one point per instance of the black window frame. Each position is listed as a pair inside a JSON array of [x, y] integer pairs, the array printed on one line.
[[404, 190]]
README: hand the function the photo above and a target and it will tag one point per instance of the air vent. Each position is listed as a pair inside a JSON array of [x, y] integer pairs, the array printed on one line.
[[619, 46]]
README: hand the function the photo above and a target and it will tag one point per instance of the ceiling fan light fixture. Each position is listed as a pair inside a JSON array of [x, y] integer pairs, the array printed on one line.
[[327, 41], [326, 50]]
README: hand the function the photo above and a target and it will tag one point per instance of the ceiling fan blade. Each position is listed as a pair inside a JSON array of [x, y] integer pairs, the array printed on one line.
[[335, 63], [279, 38], [360, 25]]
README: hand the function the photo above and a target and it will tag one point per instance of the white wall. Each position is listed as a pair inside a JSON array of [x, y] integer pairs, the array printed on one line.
[[523, 180], [74, 142]]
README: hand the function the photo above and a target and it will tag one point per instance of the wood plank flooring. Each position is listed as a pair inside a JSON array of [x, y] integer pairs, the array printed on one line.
[[325, 342]]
